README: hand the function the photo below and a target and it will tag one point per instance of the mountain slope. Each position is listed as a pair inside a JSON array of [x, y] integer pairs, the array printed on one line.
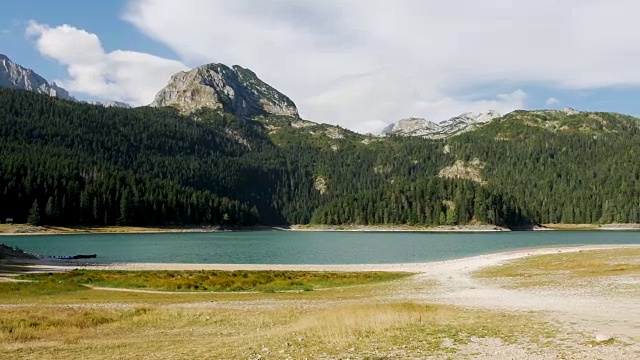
[[234, 90], [14, 76], [561, 166], [118, 166]]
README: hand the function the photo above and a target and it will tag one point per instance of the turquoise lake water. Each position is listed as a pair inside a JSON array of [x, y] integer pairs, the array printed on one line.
[[288, 247]]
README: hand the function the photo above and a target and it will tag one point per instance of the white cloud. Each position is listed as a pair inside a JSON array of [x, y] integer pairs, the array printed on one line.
[[552, 101], [362, 64], [356, 62], [366, 103], [120, 75]]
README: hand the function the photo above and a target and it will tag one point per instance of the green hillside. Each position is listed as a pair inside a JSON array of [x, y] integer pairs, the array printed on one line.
[[70, 163]]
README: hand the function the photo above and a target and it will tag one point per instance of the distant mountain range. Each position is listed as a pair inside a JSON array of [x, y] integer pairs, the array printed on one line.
[[431, 130], [15, 76], [117, 104], [238, 91]]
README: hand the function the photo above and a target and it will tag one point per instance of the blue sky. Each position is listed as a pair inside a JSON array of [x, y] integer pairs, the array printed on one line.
[[360, 64], [102, 17]]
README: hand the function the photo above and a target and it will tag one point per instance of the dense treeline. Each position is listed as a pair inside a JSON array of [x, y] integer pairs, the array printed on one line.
[[430, 202], [72, 163], [69, 163]]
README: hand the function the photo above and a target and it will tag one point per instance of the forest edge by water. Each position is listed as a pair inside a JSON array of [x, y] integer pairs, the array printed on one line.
[[26, 229]]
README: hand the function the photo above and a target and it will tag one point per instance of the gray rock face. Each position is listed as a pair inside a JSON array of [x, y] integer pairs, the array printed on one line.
[[235, 90], [117, 104], [412, 127], [14, 76], [431, 130], [466, 122]]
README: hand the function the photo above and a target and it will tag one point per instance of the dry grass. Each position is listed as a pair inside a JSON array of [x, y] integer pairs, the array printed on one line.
[[369, 330], [576, 269], [57, 324]]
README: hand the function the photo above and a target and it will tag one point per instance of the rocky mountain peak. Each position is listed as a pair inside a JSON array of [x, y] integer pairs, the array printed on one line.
[[233, 89], [14, 76], [431, 130]]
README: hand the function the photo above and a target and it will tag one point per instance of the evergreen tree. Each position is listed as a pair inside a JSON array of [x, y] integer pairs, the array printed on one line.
[[34, 214]]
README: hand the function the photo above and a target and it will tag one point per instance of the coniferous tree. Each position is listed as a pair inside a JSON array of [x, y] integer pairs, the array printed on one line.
[[34, 214]]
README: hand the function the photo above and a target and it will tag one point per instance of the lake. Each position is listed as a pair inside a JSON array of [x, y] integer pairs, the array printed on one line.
[[299, 247]]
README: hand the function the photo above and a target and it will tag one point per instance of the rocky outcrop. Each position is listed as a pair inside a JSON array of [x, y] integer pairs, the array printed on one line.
[[14, 76], [565, 111], [234, 90], [471, 170], [320, 184], [431, 130]]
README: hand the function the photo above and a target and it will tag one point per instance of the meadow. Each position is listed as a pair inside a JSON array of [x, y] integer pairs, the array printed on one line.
[[97, 314]]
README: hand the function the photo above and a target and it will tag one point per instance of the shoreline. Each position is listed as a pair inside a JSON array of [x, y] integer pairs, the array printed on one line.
[[467, 263], [28, 230], [399, 228], [25, 230]]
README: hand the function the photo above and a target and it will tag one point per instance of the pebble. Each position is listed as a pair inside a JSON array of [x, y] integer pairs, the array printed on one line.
[[603, 337]]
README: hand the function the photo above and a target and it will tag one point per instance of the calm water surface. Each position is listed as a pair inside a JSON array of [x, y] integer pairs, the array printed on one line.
[[284, 247]]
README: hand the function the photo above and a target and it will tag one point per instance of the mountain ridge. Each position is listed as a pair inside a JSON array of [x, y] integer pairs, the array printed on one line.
[[15, 76], [431, 130], [115, 104]]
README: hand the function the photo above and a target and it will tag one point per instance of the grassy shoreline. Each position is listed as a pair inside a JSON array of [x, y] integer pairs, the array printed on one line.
[[212, 280]]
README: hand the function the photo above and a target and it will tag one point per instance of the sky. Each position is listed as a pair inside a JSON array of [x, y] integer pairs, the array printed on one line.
[[360, 64]]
